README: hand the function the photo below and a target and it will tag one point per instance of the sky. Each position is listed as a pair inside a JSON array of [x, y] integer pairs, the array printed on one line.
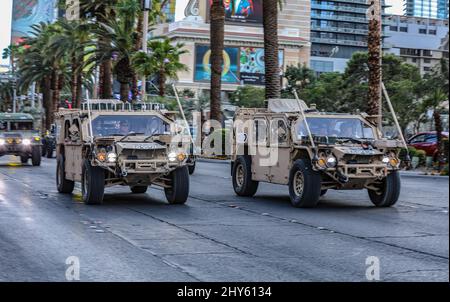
[[6, 7]]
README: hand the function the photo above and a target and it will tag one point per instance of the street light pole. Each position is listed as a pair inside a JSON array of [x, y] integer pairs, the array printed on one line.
[[146, 7]]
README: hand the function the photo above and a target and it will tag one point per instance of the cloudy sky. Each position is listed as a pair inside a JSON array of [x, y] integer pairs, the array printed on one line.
[[6, 7]]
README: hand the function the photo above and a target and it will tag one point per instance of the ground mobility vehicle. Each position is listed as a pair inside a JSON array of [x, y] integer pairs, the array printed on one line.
[[312, 152], [19, 137], [109, 143]]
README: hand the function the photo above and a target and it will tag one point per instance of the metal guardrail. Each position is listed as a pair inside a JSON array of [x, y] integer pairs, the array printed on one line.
[[115, 105]]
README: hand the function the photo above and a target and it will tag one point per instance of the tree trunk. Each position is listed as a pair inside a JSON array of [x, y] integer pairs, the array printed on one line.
[[438, 126], [107, 79], [162, 83], [124, 91], [47, 101], [137, 47], [374, 42], [271, 49], [74, 80], [79, 91], [217, 48], [56, 95]]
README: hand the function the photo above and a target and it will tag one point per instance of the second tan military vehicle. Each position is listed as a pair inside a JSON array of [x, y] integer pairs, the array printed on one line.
[[312, 152]]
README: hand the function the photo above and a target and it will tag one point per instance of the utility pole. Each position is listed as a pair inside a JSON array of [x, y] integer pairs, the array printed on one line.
[[375, 48], [146, 8]]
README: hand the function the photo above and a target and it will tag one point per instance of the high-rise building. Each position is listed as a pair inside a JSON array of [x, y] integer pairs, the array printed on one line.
[[418, 41], [338, 29], [436, 9]]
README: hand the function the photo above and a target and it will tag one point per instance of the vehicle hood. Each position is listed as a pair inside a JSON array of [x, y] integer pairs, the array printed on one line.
[[355, 150]]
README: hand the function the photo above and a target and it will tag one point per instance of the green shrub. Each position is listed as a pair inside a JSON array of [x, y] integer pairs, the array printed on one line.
[[422, 155], [412, 153], [444, 171]]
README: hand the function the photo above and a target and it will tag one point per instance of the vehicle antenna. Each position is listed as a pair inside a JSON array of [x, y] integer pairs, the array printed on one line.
[[88, 101], [182, 112]]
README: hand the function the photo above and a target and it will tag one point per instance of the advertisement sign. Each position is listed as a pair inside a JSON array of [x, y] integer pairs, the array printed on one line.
[[230, 74], [252, 66], [29, 12], [243, 11]]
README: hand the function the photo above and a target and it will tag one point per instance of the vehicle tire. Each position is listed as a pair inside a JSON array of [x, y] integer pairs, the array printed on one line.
[[49, 152], [192, 169], [242, 177], [390, 191], [36, 156], [64, 186], [323, 192], [24, 159], [92, 184], [44, 149], [304, 185], [179, 192], [139, 189]]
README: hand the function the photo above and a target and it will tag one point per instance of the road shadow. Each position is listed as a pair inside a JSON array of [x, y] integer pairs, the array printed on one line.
[[324, 203], [129, 199]]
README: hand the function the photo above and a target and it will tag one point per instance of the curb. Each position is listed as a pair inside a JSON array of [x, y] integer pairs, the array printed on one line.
[[214, 160]]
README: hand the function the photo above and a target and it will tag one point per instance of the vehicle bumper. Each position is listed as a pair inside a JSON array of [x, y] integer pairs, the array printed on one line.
[[15, 149]]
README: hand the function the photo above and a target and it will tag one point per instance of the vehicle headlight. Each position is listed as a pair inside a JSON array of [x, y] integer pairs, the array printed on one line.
[[391, 160], [102, 156], [331, 161], [173, 156], [322, 163], [26, 142], [37, 138], [2, 142], [112, 157], [386, 160]]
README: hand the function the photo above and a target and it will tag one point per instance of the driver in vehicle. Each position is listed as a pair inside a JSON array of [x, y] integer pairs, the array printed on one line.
[[124, 127]]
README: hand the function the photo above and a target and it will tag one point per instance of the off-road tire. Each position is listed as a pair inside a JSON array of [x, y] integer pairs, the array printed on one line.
[[63, 185], [24, 160], [139, 189], [192, 168], [92, 184], [178, 193], [242, 177], [49, 152], [390, 191], [36, 156], [304, 185], [44, 149]]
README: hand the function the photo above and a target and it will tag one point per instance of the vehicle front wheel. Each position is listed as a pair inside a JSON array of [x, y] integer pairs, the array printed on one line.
[[242, 177], [36, 156], [64, 186], [304, 185], [139, 189], [49, 152], [178, 193], [24, 159], [92, 184], [388, 192]]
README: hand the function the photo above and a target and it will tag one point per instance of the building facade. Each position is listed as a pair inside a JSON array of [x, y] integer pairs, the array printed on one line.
[[338, 29], [419, 41], [436, 9], [244, 41]]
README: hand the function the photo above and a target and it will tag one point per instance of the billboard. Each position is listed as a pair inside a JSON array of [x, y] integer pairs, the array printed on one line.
[[252, 65], [230, 74], [28, 12], [242, 11]]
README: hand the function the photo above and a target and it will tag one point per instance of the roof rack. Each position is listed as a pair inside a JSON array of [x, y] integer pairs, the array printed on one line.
[[116, 105]]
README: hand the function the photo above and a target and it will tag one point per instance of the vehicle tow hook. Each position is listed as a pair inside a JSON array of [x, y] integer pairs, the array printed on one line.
[[342, 178]]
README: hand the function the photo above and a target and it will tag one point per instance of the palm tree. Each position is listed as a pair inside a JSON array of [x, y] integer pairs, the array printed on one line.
[[164, 61], [6, 95], [217, 47], [71, 41], [271, 49]]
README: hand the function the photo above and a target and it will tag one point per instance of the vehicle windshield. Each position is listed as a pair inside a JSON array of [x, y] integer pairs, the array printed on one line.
[[16, 126], [351, 128], [121, 125]]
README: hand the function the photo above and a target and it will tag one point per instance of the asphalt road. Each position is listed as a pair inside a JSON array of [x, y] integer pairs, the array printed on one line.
[[217, 236]]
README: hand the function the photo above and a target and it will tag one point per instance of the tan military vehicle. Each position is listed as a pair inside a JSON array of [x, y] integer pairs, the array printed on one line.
[[109, 143], [312, 152]]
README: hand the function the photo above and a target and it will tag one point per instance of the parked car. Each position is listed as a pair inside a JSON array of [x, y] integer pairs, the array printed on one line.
[[426, 141]]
